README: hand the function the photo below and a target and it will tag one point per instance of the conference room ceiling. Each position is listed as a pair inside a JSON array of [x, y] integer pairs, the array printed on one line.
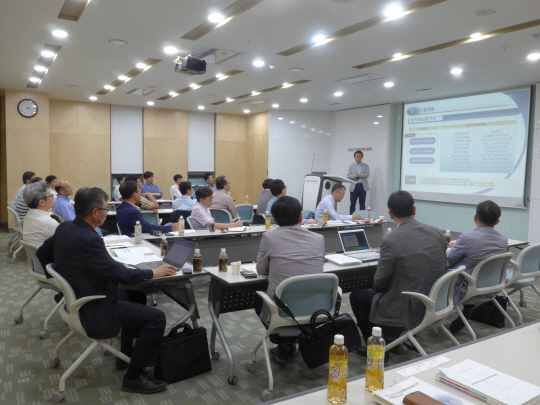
[[259, 29]]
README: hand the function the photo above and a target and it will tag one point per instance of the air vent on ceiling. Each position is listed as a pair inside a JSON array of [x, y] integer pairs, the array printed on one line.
[[216, 56], [488, 12], [357, 79], [252, 102], [140, 92], [426, 89], [536, 36]]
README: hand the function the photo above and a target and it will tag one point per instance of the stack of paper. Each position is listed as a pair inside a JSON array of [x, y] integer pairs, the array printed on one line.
[[487, 384], [238, 229], [110, 238], [342, 260]]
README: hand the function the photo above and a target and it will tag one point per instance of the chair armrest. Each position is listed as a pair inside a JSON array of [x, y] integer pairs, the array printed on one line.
[[470, 279], [236, 219], [428, 302], [269, 302], [74, 308], [513, 264]]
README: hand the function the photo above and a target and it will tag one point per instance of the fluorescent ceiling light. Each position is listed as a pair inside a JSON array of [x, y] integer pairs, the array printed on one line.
[[389, 84], [93, 98], [338, 94], [215, 17], [379, 116], [456, 71], [258, 63], [150, 103], [35, 79], [60, 33], [47, 54], [170, 50], [40, 68]]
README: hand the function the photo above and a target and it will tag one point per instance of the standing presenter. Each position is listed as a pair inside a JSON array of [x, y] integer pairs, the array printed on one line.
[[358, 172]]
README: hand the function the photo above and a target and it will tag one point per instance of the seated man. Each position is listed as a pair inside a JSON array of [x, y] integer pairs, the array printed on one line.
[[186, 201], [278, 190], [51, 182], [127, 213], [27, 176], [287, 251], [149, 186], [329, 203], [413, 257], [38, 224], [264, 197], [120, 179], [175, 192], [62, 205], [209, 178], [200, 215], [222, 200], [148, 202], [92, 271], [473, 247], [22, 208]]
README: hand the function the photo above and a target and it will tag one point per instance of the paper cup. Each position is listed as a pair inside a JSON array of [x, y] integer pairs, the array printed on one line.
[[381, 218], [236, 267]]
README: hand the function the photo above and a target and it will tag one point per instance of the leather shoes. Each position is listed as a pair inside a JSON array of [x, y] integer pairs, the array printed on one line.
[[144, 384]]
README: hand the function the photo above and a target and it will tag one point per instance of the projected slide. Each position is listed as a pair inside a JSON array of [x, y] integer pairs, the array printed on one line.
[[467, 149]]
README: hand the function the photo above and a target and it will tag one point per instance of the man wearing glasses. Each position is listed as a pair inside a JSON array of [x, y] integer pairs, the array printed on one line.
[[38, 224], [329, 203]]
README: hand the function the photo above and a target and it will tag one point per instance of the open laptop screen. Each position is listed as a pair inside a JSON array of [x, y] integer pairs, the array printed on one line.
[[353, 241], [179, 253]]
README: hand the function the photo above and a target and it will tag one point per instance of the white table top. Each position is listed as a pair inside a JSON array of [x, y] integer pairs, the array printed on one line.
[[515, 352], [120, 202], [160, 211]]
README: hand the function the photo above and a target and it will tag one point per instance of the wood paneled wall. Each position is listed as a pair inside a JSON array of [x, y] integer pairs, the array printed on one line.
[[165, 143], [80, 143], [257, 152]]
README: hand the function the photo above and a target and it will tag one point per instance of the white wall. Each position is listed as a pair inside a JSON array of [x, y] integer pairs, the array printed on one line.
[[293, 140], [126, 139], [534, 213], [356, 129], [201, 145]]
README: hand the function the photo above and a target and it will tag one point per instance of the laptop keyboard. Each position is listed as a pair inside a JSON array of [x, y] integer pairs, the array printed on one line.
[[154, 265]]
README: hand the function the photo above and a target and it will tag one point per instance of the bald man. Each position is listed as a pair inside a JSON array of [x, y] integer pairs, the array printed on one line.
[[62, 205]]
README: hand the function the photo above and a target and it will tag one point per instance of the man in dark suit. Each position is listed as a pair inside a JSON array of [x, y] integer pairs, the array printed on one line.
[[79, 255], [413, 257], [127, 213]]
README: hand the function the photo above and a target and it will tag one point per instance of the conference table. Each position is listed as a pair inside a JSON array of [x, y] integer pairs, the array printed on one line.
[[177, 287], [497, 351]]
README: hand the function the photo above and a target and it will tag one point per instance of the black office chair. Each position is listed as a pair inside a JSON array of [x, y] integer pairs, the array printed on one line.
[[175, 216]]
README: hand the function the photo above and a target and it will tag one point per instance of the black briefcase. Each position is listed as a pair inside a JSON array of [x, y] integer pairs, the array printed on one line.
[[183, 354]]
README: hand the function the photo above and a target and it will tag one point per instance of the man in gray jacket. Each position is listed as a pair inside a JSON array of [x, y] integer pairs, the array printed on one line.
[[413, 257], [358, 172]]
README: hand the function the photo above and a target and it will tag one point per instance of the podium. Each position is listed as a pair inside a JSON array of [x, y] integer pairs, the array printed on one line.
[[318, 185]]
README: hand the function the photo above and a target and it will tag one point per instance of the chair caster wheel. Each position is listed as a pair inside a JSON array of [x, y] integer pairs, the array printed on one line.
[[215, 356], [154, 303], [267, 395], [44, 335], [233, 381], [54, 363], [434, 332], [402, 349], [19, 319], [58, 396], [252, 366], [12, 261], [523, 304]]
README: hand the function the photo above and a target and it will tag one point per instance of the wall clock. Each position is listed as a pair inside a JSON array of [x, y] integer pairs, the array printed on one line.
[[27, 108]]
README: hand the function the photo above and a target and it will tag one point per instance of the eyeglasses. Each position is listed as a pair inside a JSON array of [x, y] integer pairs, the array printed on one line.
[[44, 198], [103, 209]]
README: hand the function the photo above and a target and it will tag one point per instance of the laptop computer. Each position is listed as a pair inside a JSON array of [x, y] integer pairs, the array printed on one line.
[[355, 244], [176, 256]]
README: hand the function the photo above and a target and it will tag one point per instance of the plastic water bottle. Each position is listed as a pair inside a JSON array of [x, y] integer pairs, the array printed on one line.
[[247, 199], [375, 361], [164, 244], [223, 260], [181, 226], [138, 233], [448, 236], [325, 217], [267, 220], [337, 372], [368, 214], [197, 265]]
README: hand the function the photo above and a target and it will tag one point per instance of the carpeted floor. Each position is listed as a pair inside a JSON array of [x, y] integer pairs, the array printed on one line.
[[26, 378]]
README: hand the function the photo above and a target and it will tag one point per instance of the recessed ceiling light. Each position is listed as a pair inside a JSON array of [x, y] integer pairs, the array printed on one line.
[[201, 107], [393, 11], [150, 103], [146, 68], [379, 116], [118, 42], [285, 85], [389, 84], [246, 111], [338, 94], [456, 71], [376, 123], [280, 118], [291, 122], [275, 105], [258, 63], [476, 35], [35, 79], [47, 54], [140, 65], [93, 98], [533, 56], [172, 93], [40, 68], [303, 126], [215, 17], [193, 85], [303, 100], [320, 40], [228, 100], [220, 75], [60, 33], [397, 55], [170, 50], [122, 77], [312, 129], [107, 86], [255, 93]]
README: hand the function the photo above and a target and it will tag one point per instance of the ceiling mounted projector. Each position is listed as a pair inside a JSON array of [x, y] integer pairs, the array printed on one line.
[[190, 65]]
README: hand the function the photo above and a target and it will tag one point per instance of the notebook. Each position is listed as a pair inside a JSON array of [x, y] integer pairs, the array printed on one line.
[[176, 256], [355, 244]]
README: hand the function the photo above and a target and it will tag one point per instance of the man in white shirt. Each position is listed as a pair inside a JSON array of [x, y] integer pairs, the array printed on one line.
[[51, 182], [38, 224], [26, 178], [329, 203], [186, 201], [175, 192], [117, 196], [200, 215]]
